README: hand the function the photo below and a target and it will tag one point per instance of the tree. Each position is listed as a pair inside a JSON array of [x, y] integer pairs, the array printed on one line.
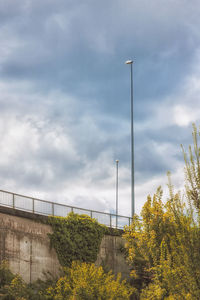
[[163, 246]]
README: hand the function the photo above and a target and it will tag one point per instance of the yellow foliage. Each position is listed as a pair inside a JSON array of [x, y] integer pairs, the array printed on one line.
[[163, 249], [18, 288], [86, 281]]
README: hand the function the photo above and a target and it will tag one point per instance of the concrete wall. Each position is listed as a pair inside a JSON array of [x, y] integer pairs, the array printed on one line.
[[111, 256], [24, 243]]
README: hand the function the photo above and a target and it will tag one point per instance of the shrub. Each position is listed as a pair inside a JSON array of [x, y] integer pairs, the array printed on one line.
[[76, 237], [86, 282]]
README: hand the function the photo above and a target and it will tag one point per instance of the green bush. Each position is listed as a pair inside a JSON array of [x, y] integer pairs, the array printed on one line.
[[76, 238], [5, 274]]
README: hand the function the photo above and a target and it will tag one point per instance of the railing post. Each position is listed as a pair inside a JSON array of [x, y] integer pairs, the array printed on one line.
[[110, 220], [13, 200], [91, 213], [52, 209], [33, 205]]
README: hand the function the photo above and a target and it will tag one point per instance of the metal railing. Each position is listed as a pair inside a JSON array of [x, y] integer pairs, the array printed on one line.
[[47, 208]]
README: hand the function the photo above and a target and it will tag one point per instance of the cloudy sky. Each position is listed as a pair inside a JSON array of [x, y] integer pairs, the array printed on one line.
[[65, 97]]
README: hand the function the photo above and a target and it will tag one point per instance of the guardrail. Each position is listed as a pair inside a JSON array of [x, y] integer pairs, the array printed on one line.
[[47, 208]]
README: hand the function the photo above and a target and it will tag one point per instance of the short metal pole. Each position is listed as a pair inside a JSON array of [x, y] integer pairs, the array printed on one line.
[[117, 185]]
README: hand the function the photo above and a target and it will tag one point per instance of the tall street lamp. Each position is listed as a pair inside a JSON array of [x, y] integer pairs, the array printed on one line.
[[117, 188], [130, 62]]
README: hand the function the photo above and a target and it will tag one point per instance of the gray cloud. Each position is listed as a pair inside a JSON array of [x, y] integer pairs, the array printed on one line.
[[64, 104]]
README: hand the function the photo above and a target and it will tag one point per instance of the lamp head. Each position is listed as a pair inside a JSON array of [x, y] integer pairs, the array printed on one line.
[[128, 62]]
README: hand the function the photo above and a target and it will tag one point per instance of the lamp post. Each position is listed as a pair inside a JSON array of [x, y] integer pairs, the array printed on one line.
[[117, 186], [130, 62]]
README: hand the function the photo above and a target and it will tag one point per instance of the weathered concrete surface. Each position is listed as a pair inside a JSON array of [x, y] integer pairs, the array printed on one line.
[[111, 255], [24, 243]]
